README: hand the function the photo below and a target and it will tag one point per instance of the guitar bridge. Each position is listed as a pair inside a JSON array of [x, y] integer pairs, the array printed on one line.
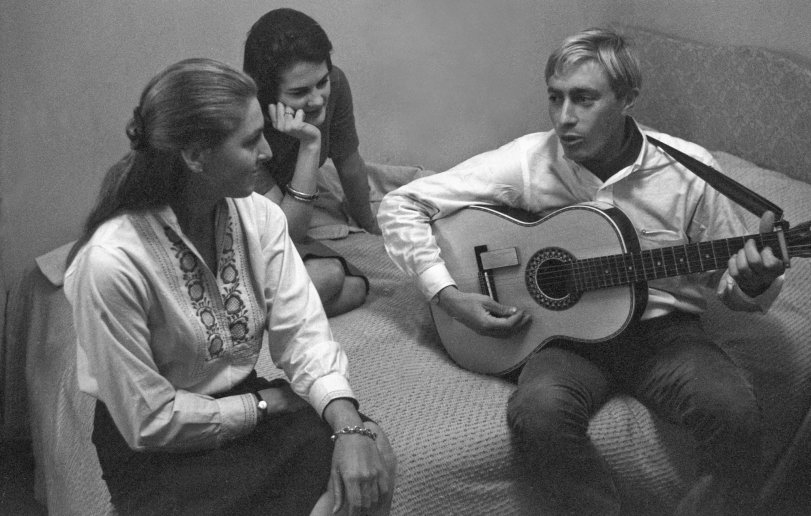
[[499, 258], [489, 260]]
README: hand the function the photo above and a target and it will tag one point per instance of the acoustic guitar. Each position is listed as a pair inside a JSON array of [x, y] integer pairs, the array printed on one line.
[[579, 271]]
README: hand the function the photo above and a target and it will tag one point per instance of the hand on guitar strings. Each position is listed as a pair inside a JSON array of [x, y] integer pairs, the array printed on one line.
[[481, 313], [754, 271]]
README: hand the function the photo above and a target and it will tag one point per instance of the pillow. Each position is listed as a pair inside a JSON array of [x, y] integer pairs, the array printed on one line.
[[774, 347], [331, 219]]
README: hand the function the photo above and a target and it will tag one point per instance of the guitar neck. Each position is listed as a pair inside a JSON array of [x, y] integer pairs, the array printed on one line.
[[624, 269]]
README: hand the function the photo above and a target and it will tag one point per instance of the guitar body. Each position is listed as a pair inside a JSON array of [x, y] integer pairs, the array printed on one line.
[[518, 254]]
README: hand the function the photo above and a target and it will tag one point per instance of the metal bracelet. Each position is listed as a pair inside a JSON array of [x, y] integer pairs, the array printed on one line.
[[301, 196], [355, 430]]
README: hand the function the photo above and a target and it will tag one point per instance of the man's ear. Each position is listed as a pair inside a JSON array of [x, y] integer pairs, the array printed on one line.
[[630, 100], [195, 158]]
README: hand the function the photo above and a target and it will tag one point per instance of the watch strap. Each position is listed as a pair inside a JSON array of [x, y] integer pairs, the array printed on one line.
[[261, 405]]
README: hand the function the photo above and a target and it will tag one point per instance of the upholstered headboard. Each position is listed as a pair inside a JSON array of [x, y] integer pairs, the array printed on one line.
[[747, 101]]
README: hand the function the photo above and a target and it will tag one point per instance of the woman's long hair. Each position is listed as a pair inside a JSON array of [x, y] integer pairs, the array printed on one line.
[[195, 102]]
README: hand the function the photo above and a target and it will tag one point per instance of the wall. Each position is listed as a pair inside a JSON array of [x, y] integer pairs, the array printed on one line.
[[434, 81]]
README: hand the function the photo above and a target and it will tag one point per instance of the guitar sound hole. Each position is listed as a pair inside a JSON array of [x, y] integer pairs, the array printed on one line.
[[549, 279]]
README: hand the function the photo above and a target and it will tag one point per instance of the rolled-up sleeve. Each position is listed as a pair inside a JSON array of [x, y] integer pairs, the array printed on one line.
[[405, 214], [299, 336], [733, 297]]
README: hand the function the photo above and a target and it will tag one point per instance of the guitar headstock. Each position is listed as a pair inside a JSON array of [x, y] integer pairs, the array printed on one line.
[[798, 240]]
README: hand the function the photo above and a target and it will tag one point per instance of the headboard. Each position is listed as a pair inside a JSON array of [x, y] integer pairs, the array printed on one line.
[[747, 101]]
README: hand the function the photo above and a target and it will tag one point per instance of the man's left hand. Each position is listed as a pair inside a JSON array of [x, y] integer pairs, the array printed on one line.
[[753, 270]]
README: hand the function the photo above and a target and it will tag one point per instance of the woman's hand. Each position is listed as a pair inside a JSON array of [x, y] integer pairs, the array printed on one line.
[[291, 122], [363, 469], [360, 479], [355, 183], [481, 313]]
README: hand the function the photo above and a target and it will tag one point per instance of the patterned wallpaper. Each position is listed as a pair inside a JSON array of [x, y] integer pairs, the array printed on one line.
[[747, 101]]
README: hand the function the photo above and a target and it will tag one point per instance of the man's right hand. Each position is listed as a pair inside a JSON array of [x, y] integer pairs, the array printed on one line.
[[481, 313]]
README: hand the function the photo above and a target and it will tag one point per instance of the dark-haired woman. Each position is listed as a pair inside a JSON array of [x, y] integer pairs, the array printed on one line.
[[181, 273], [310, 118]]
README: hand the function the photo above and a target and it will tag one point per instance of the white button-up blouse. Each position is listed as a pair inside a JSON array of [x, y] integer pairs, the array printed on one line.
[[160, 334]]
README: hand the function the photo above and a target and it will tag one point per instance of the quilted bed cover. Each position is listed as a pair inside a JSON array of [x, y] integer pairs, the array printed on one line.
[[446, 424]]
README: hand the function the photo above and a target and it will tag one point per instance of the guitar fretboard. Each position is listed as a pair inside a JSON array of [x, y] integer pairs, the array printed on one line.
[[624, 269]]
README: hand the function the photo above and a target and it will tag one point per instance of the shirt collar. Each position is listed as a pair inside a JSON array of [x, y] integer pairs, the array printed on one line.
[[623, 173]]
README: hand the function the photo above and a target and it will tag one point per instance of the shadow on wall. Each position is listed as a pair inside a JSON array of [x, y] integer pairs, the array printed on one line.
[[3, 300]]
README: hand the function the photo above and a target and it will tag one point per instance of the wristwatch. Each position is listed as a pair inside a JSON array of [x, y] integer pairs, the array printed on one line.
[[261, 405]]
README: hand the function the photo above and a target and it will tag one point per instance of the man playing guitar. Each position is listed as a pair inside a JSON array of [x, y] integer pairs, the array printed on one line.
[[597, 152]]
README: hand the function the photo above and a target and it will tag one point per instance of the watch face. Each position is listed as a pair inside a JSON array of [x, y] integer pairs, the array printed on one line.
[[263, 405]]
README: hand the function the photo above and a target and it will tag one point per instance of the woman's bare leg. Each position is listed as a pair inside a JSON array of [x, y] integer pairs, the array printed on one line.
[[339, 293]]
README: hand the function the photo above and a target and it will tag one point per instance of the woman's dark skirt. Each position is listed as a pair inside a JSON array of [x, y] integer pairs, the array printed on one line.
[[282, 467], [311, 248]]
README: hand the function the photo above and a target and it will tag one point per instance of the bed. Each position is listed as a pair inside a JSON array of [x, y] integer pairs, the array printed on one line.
[[448, 425]]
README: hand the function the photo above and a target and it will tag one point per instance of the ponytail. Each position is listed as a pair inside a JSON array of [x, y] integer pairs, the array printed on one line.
[[193, 102]]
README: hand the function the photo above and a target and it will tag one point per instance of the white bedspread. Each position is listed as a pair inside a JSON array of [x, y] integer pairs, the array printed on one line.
[[447, 425]]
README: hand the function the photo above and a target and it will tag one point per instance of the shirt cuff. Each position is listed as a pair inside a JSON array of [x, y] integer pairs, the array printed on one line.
[[742, 301], [328, 388], [239, 416], [434, 279]]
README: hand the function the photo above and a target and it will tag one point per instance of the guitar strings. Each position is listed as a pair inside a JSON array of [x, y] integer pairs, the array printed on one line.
[[600, 272], [635, 264]]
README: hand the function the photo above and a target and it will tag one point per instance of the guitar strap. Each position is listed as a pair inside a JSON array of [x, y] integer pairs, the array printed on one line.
[[750, 200]]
